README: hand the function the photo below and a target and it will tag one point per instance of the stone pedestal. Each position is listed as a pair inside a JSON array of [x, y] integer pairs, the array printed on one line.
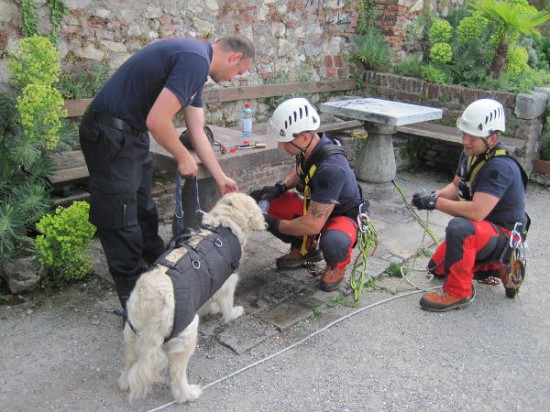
[[376, 162]]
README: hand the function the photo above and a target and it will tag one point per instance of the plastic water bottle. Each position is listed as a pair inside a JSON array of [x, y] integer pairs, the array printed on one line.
[[264, 205], [246, 122]]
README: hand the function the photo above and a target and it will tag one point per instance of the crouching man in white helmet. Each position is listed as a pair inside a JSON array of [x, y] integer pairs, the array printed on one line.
[[331, 197], [487, 198]]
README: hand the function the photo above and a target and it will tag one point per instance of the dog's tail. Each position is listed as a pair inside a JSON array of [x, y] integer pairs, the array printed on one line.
[[152, 318]]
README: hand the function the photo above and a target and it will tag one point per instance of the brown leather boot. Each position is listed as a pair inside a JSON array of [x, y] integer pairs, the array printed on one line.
[[293, 259], [331, 277], [441, 301]]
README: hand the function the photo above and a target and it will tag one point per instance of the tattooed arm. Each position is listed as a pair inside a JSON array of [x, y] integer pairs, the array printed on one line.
[[311, 223]]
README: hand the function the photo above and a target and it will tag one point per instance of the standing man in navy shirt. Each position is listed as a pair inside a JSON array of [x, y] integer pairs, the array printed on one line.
[[487, 198], [143, 96]]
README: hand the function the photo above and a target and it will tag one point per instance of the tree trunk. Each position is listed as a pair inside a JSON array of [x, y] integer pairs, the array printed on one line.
[[499, 61]]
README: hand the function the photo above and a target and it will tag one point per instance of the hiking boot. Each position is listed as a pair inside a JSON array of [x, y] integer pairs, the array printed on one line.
[[441, 301], [293, 259], [331, 278]]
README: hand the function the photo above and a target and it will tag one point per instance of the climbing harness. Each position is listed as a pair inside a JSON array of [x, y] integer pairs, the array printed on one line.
[[367, 239], [474, 166], [305, 172]]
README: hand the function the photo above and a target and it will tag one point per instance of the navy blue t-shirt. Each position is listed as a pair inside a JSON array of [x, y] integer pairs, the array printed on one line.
[[181, 65], [501, 177], [334, 183]]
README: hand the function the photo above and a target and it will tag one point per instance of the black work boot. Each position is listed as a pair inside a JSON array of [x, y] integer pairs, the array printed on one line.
[[124, 286]]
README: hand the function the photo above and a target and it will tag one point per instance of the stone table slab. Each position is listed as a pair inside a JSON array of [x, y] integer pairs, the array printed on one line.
[[385, 112]]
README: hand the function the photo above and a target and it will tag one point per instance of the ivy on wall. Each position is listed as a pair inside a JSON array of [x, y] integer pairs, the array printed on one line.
[[58, 10]]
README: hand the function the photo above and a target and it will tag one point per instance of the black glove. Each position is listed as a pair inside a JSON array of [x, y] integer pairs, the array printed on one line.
[[269, 192], [272, 224], [424, 201]]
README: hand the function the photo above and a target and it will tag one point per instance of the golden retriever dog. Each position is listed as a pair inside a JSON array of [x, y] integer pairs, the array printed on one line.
[[195, 276]]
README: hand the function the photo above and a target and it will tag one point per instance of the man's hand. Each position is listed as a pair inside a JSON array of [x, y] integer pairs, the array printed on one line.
[[424, 201], [272, 223], [269, 192], [226, 185], [188, 167]]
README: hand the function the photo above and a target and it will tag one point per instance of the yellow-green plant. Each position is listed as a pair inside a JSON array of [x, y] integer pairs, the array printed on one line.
[[470, 29], [440, 31], [441, 53], [40, 109], [34, 60], [64, 242], [517, 61]]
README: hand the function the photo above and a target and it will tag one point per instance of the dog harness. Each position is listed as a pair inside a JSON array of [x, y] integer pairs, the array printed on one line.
[[208, 261]]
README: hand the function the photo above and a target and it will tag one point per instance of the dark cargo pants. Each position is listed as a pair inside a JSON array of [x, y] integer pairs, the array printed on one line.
[[121, 205]]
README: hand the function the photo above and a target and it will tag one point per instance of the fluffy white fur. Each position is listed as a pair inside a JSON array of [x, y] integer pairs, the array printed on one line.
[[151, 311]]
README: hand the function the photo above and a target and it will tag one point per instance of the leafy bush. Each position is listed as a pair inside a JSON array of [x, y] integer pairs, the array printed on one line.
[[516, 61], [65, 241], [40, 108], [411, 66], [440, 31], [471, 29], [34, 61], [83, 83], [370, 49], [28, 132], [441, 53], [433, 74]]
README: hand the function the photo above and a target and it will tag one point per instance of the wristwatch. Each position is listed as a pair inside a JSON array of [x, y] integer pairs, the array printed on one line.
[[281, 186]]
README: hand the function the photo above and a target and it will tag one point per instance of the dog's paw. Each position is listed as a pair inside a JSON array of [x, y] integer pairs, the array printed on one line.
[[236, 312], [189, 394], [123, 383]]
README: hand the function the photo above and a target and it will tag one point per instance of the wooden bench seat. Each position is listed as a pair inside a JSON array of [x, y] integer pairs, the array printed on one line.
[[452, 135], [70, 167]]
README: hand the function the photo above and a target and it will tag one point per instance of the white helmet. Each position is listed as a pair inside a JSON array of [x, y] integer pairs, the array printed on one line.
[[482, 118], [291, 118]]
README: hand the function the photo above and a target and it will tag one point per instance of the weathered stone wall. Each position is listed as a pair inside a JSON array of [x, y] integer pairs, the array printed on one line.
[[294, 38]]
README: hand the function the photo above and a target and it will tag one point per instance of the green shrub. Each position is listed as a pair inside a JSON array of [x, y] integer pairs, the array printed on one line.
[[440, 31], [433, 74], [35, 60], [64, 242], [470, 29], [83, 83], [441, 53], [516, 61], [410, 66], [370, 49], [40, 109]]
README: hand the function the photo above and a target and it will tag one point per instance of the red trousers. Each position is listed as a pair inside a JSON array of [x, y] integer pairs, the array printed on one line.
[[338, 236], [469, 248]]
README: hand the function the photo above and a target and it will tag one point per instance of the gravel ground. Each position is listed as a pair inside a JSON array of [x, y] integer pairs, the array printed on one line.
[[62, 351]]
